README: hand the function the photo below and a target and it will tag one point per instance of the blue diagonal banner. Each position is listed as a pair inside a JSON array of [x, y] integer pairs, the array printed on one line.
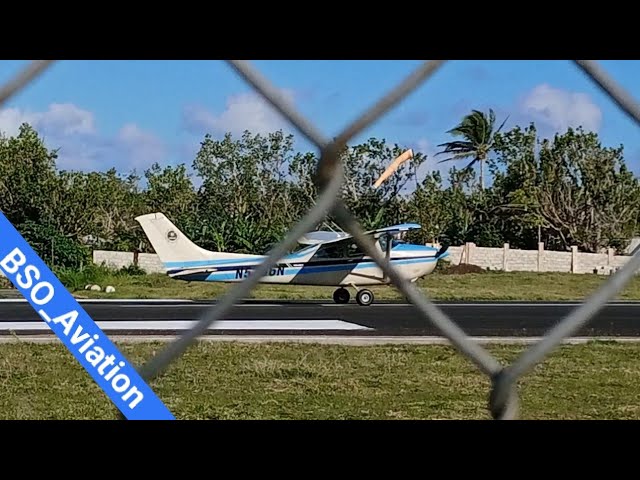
[[76, 329]]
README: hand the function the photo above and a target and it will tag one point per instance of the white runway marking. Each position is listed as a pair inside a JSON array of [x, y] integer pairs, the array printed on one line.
[[185, 324], [109, 300], [204, 306]]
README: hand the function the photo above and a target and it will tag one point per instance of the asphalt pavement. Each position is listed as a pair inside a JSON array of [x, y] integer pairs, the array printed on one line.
[[488, 319]]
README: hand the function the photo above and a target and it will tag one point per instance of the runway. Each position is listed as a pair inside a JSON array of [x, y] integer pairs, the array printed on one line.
[[307, 318]]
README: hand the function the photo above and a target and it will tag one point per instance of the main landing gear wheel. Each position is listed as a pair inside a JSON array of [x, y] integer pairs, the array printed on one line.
[[364, 297], [341, 295]]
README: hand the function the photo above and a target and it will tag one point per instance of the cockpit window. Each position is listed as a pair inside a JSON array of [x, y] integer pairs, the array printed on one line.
[[383, 241], [354, 250], [339, 250]]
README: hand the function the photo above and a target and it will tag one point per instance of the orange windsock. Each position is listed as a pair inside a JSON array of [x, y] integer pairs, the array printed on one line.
[[393, 167]]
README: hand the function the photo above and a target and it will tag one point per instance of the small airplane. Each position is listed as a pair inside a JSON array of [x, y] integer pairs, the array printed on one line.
[[325, 258]]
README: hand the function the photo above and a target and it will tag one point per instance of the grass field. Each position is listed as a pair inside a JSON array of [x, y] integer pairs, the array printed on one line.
[[473, 286], [288, 381]]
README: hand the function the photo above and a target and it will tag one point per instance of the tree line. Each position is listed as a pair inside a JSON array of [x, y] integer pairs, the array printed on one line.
[[245, 193]]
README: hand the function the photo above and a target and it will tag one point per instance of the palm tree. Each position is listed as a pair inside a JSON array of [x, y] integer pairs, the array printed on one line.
[[477, 129]]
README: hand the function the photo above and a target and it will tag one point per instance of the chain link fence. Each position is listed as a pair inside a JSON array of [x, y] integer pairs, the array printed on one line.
[[329, 175]]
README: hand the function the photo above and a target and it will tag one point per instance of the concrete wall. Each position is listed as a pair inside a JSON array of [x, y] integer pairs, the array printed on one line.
[[541, 260], [149, 262], [505, 258]]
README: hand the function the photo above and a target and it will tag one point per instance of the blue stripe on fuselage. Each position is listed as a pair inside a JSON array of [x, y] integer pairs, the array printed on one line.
[[213, 263], [255, 260], [409, 247], [310, 269]]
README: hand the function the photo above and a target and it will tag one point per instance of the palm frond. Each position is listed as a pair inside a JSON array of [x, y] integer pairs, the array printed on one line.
[[470, 164], [459, 156], [476, 127], [458, 145], [501, 125], [478, 131]]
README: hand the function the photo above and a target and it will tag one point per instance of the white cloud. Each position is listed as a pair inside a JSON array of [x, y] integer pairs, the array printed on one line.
[[58, 119], [424, 146], [431, 163], [73, 131], [143, 147], [246, 111], [10, 121], [560, 109]]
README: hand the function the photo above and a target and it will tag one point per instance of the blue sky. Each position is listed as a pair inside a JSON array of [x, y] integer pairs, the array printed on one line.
[[128, 114]]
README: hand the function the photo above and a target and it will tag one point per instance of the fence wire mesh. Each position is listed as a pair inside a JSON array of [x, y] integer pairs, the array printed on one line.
[[329, 175]]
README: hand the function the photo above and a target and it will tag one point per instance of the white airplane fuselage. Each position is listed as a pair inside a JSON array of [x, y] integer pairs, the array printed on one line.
[[338, 262], [301, 268]]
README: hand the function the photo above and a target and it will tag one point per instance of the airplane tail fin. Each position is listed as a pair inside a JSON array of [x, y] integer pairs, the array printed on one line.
[[173, 247]]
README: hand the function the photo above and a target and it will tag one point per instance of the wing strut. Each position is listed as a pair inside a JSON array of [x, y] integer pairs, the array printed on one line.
[[388, 247]]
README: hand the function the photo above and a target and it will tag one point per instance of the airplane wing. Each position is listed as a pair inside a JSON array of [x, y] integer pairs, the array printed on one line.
[[321, 236], [403, 227]]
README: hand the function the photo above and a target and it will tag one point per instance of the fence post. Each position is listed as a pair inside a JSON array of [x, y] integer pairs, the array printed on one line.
[[574, 259], [540, 254], [505, 253]]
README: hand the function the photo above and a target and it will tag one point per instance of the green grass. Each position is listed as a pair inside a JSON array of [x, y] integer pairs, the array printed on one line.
[[473, 286], [293, 381]]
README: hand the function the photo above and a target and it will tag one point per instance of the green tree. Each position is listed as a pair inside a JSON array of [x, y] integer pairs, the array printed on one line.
[[55, 248], [575, 190], [513, 196], [461, 214], [245, 203], [477, 131], [585, 192], [364, 164], [27, 177], [101, 205], [171, 191], [429, 207], [569, 190]]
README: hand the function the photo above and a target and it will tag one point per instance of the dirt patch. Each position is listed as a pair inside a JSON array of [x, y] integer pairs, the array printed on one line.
[[463, 269]]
